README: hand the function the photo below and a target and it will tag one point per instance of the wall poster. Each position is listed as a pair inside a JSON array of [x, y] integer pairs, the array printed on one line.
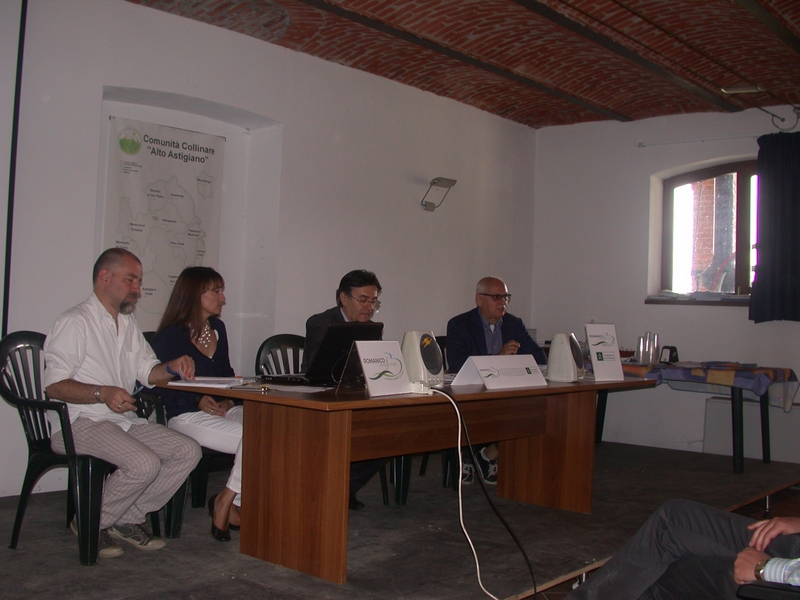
[[162, 202]]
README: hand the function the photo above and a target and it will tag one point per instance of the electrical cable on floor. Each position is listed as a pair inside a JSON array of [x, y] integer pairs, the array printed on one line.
[[462, 424]]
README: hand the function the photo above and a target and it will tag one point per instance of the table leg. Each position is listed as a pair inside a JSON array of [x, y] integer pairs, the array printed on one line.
[[765, 446], [554, 468], [737, 422], [295, 484], [602, 401]]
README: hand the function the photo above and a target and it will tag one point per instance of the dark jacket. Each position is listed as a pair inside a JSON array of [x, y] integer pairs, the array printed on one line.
[[465, 338], [316, 326], [173, 342]]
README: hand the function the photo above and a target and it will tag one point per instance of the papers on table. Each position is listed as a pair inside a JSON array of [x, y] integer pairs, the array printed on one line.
[[222, 383]]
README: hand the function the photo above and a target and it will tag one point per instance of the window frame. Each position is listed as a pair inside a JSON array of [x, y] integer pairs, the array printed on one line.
[[744, 170]]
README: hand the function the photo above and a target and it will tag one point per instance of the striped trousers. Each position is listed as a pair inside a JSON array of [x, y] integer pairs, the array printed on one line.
[[152, 462]]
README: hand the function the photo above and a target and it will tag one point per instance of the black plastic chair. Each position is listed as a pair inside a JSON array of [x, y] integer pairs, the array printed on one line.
[[280, 354], [765, 590], [22, 363]]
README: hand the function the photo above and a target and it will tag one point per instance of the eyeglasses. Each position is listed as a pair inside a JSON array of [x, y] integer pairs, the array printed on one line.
[[376, 304], [497, 297]]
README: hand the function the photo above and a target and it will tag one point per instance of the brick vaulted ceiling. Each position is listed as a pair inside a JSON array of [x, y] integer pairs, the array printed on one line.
[[543, 62]]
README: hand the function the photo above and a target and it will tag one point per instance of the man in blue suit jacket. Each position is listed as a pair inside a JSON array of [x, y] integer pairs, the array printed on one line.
[[472, 333], [486, 330]]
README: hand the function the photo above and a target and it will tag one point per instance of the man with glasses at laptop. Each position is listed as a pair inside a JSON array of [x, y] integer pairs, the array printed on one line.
[[486, 330], [356, 301]]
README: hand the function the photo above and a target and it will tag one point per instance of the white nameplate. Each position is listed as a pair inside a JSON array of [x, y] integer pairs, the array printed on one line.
[[384, 368], [501, 372], [604, 352]]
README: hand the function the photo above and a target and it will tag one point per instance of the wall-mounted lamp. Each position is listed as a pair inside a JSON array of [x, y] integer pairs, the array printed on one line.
[[439, 182]]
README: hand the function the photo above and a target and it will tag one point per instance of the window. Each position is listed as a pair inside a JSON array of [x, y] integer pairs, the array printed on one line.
[[708, 242]]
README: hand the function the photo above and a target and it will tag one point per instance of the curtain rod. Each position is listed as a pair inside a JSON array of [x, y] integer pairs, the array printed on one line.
[[700, 140]]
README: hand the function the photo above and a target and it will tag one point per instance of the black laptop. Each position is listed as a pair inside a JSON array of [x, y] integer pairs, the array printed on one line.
[[330, 366]]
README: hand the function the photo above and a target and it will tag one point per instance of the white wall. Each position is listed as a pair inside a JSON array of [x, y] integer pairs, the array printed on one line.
[[357, 155], [591, 239]]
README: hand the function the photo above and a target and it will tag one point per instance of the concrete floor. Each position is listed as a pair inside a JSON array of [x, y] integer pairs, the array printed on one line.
[[414, 551]]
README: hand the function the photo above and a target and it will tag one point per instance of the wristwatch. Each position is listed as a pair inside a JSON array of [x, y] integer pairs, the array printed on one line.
[[758, 571]]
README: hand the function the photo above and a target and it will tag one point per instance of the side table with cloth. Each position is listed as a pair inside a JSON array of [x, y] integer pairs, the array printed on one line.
[[768, 385]]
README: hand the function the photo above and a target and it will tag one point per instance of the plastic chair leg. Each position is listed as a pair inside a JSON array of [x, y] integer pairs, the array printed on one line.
[[384, 486], [174, 511], [401, 466], [423, 467], [89, 475], [27, 486], [70, 501], [155, 523], [36, 466], [449, 468], [199, 478]]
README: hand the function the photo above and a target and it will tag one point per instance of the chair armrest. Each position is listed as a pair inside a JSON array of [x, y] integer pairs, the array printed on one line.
[[767, 590], [59, 407]]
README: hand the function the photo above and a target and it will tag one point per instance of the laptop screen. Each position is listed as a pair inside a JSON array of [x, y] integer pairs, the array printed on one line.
[[329, 361]]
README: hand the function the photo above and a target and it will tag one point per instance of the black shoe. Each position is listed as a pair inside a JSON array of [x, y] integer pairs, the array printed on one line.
[[221, 535], [355, 503], [487, 469]]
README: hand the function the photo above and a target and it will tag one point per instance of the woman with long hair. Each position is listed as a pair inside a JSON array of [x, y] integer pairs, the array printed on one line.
[[191, 325]]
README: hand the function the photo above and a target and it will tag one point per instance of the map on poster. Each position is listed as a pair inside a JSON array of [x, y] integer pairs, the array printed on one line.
[[162, 202]]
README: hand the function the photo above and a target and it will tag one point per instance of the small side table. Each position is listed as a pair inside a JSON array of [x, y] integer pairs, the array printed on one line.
[[765, 384]]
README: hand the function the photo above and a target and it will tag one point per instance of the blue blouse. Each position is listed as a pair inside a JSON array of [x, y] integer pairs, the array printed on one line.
[[173, 342]]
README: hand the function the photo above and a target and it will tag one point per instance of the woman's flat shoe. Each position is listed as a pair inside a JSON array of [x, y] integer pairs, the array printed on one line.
[[221, 535], [234, 527]]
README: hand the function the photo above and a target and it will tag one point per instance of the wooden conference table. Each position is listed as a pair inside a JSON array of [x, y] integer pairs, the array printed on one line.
[[297, 449]]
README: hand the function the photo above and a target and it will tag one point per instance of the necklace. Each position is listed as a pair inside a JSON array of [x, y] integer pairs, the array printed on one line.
[[204, 339]]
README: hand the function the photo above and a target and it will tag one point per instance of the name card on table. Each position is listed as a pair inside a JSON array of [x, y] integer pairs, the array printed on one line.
[[384, 368], [501, 372], [604, 352]]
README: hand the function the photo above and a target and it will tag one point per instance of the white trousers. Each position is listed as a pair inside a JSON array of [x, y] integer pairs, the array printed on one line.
[[223, 434]]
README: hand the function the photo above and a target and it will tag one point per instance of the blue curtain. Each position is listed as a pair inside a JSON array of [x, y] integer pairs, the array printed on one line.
[[776, 292]]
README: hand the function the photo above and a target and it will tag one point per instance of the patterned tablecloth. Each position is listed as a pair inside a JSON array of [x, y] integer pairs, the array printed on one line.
[[719, 377]]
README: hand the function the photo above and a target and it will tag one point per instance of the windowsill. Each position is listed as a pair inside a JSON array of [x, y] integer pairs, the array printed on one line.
[[699, 300]]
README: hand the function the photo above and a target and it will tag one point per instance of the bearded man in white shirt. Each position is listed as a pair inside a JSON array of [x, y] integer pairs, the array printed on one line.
[[94, 354]]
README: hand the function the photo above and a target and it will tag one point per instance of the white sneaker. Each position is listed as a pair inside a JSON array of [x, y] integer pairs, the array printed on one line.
[[137, 536]]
